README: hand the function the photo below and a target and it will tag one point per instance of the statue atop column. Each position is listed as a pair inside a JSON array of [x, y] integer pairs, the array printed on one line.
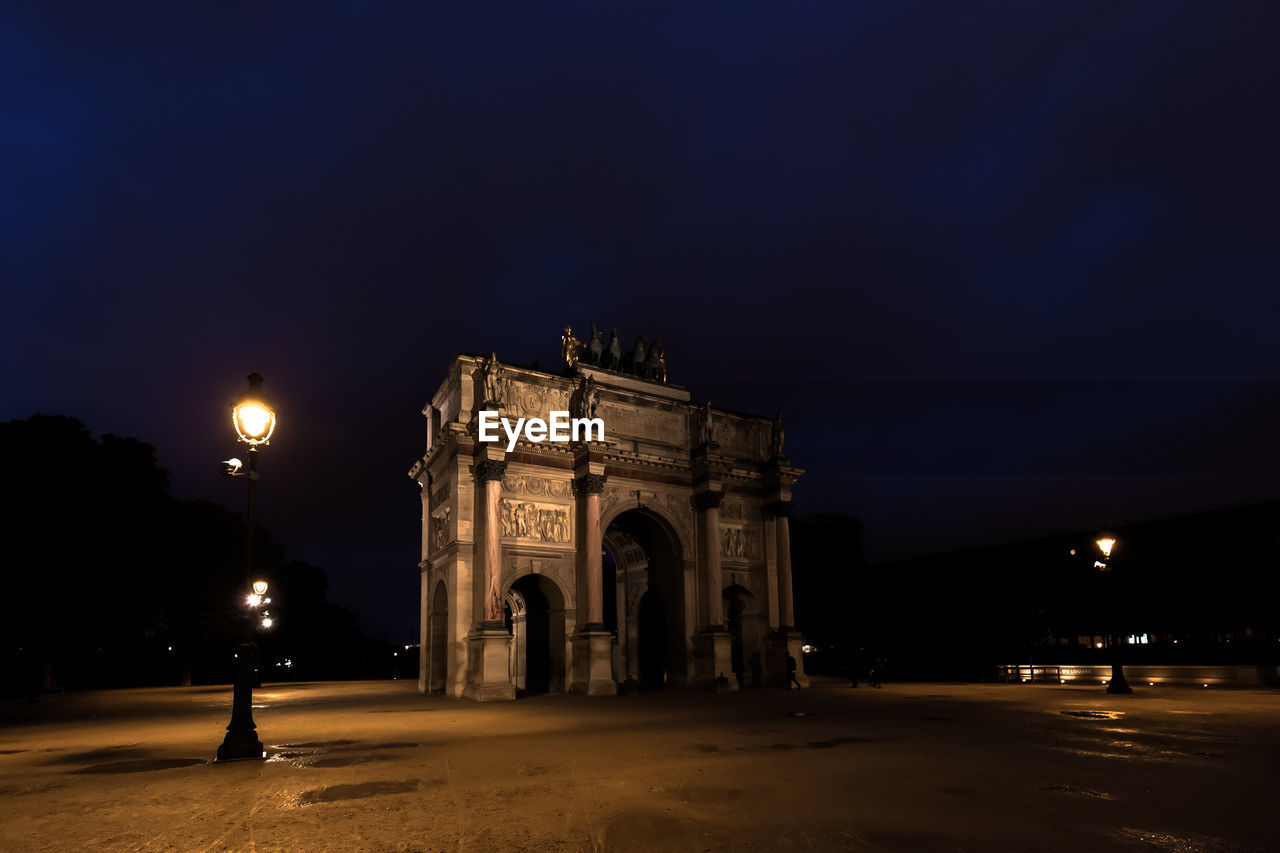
[[491, 382], [706, 437], [777, 436], [585, 399], [569, 346], [590, 399]]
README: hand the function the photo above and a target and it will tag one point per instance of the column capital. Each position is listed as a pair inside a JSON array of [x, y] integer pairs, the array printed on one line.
[[779, 509], [490, 469], [589, 484], [708, 499]]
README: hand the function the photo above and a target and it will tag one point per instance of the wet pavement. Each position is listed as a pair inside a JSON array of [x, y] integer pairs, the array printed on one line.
[[375, 766]]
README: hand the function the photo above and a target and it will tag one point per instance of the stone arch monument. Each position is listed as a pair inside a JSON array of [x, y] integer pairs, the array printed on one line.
[[660, 554]]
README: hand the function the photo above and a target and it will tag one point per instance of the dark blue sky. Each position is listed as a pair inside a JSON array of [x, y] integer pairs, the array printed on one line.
[[1010, 267]]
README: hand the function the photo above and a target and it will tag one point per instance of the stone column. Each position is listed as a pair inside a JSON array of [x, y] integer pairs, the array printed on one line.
[[782, 531], [712, 644], [488, 673], [787, 640], [489, 473], [590, 486], [708, 504], [592, 642]]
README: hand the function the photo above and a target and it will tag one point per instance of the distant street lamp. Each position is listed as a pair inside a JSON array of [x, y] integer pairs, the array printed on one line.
[[254, 420], [1106, 542]]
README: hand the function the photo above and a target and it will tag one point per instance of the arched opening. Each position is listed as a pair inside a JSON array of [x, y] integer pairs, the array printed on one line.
[[645, 583], [535, 618], [439, 645], [736, 600], [515, 617], [652, 640]]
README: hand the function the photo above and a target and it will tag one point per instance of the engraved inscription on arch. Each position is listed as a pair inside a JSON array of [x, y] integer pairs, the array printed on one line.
[[646, 423], [735, 437]]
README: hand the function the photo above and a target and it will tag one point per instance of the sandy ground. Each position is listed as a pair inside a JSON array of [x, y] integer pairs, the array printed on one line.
[[374, 766]]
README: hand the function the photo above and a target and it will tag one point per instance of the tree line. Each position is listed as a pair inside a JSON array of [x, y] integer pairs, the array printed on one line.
[[110, 581]]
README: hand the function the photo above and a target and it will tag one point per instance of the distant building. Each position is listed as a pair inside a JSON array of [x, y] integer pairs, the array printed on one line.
[[658, 555]]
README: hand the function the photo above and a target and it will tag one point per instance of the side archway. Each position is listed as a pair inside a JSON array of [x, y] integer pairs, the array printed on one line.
[[746, 626], [438, 648]]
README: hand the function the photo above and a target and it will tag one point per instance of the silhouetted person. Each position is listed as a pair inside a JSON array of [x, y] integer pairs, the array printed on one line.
[[791, 672], [873, 677]]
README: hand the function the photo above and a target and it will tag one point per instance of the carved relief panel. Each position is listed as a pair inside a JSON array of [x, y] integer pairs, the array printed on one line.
[[613, 496], [739, 542], [441, 527], [535, 486], [524, 400], [539, 522]]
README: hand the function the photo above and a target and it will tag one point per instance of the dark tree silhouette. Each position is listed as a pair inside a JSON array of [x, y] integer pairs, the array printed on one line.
[[110, 581]]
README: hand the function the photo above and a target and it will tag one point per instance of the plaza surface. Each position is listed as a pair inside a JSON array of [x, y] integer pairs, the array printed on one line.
[[375, 766]]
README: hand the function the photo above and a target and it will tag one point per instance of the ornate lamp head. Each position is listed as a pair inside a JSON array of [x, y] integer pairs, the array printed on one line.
[[252, 416]]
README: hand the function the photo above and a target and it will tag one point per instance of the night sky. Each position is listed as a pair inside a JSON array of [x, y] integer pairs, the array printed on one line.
[[1010, 268]]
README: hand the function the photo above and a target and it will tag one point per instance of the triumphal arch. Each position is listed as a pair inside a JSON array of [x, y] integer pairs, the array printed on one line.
[[658, 554]]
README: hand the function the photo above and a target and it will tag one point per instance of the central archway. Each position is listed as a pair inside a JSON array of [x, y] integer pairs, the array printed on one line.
[[535, 618], [649, 587]]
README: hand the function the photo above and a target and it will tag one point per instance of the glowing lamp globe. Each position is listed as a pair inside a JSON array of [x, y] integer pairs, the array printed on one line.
[[260, 587], [1105, 544], [252, 415]]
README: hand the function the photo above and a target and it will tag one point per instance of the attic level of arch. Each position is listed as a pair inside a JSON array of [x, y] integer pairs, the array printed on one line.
[[648, 426]]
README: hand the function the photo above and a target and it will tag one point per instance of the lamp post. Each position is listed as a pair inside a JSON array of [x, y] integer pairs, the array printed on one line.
[[254, 420], [1106, 542]]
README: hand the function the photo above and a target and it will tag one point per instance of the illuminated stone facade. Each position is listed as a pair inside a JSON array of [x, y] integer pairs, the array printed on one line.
[[659, 555]]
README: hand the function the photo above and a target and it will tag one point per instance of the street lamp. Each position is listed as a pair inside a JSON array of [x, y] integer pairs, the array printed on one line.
[[254, 420], [1106, 542]]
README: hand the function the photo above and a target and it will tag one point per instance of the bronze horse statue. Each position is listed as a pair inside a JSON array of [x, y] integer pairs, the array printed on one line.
[[656, 367], [595, 347], [634, 362], [612, 357]]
